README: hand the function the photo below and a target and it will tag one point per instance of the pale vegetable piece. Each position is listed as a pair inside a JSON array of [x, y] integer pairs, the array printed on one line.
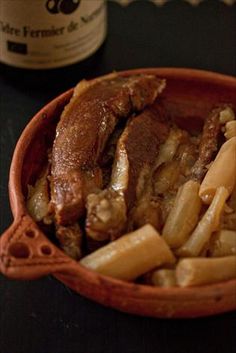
[[232, 199], [38, 198], [167, 203], [228, 209], [187, 155], [229, 219], [163, 278], [131, 255], [167, 177], [70, 238], [199, 271], [226, 115], [230, 129], [169, 148], [224, 244], [222, 172], [208, 224], [184, 215]]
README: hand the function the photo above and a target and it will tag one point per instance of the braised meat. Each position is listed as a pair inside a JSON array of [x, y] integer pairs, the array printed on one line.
[[136, 152], [81, 135], [209, 143]]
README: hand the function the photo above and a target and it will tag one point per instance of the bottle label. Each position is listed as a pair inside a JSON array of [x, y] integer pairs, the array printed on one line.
[[50, 33]]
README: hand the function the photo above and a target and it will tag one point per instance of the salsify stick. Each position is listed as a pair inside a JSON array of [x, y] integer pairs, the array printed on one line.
[[207, 225], [184, 215], [232, 199], [224, 244], [222, 172], [230, 129], [199, 271], [164, 277], [227, 114], [169, 147], [131, 255]]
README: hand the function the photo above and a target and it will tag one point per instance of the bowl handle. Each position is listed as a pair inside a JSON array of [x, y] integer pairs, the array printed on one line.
[[26, 253]]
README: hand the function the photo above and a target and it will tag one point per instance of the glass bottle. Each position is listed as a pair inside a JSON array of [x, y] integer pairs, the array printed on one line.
[[45, 34]]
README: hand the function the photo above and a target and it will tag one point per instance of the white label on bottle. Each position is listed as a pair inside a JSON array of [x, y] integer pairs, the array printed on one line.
[[50, 33]]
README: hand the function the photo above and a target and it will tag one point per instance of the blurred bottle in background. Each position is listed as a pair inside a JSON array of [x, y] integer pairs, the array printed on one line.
[[43, 34]]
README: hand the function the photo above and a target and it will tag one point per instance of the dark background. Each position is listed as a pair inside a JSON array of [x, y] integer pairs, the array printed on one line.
[[44, 316]]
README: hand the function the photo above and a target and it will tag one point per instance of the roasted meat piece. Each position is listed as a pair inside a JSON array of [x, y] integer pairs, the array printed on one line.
[[135, 155], [81, 135], [146, 211], [209, 142]]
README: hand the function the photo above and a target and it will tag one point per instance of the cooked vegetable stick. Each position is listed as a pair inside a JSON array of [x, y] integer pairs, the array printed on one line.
[[227, 114], [199, 271], [131, 255], [230, 129], [166, 177], [232, 199], [163, 278], [38, 198], [207, 225], [222, 172], [169, 148], [229, 219], [224, 244], [184, 215]]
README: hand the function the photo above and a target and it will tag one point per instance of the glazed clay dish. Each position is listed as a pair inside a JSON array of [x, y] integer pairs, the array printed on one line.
[[29, 249]]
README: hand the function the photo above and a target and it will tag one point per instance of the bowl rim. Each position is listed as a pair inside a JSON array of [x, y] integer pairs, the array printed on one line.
[[144, 292]]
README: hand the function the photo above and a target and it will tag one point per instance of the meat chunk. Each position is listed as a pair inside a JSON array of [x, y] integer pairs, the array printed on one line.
[[208, 144], [173, 160], [136, 153], [81, 135], [147, 211]]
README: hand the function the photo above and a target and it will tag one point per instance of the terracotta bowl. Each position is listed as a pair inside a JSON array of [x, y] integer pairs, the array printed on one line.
[[26, 252]]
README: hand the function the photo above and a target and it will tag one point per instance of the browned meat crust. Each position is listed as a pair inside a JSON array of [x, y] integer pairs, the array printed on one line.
[[136, 153], [84, 128], [208, 143]]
